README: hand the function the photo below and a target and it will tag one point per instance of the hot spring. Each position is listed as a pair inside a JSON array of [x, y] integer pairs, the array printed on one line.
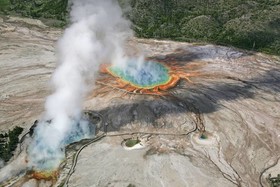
[[46, 153], [146, 75]]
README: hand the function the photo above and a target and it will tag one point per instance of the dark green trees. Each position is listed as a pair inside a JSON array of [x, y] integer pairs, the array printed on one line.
[[8, 143], [248, 24], [242, 23], [54, 12], [55, 9]]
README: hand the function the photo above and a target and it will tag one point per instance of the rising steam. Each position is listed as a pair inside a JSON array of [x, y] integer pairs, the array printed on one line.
[[96, 36]]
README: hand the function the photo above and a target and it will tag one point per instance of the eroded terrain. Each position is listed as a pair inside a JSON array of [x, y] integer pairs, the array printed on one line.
[[233, 102]]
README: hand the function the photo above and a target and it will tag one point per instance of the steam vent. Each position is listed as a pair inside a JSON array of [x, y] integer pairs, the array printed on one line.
[[46, 167]]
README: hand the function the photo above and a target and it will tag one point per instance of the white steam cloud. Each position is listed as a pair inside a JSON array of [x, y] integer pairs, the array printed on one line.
[[96, 36]]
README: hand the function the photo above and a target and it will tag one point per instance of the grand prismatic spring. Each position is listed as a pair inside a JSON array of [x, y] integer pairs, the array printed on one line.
[[150, 77]]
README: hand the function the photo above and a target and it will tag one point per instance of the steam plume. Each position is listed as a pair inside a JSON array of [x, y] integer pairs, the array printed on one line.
[[96, 36]]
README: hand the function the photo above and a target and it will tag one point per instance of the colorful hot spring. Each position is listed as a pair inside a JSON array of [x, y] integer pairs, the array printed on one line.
[[146, 75]]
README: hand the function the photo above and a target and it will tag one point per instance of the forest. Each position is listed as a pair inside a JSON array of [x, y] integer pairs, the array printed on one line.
[[252, 25], [8, 143]]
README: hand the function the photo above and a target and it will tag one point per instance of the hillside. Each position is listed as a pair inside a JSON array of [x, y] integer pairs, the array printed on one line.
[[246, 24], [252, 25]]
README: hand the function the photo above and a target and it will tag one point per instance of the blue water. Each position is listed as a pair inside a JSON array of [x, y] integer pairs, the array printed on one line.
[[149, 75], [45, 156]]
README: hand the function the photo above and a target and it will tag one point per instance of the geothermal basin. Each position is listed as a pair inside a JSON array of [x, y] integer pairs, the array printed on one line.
[[237, 102]]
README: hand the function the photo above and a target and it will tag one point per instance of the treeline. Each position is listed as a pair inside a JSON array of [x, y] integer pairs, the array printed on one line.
[[253, 25], [8, 143], [54, 12], [248, 24]]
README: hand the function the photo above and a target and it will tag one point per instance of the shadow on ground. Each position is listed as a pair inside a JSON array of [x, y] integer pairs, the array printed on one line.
[[196, 98]]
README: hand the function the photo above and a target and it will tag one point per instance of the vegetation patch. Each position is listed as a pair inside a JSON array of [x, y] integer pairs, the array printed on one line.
[[4, 5], [132, 142], [8, 143], [52, 12], [247, 24], [274, 181], [253, 25]]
